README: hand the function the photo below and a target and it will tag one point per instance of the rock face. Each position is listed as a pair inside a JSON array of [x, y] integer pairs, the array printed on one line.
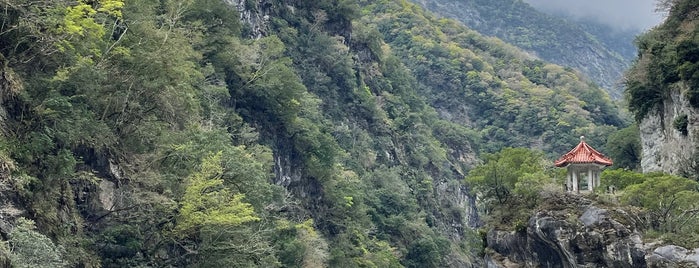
[[560, 237], [665, 148], [570, 231], [254, 14], [673, 256]]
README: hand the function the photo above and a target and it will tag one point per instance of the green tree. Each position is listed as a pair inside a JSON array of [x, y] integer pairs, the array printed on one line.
[[215, 227], [207, 202], [624, 147], [29, 248], [621, 178], [496, 179], [670, 200]]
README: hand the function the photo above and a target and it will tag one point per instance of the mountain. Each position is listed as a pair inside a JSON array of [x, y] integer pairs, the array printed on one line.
[[596, 50], [511, 97], [262, 133]]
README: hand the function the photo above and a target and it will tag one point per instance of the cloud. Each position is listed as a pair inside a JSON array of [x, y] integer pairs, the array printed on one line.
[[620, 14]]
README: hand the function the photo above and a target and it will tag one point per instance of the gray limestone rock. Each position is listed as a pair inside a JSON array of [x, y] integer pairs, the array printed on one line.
[[576, 234], [665, 148], [673, 256]]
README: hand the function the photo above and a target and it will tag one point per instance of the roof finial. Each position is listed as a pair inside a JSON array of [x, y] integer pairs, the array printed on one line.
[[582, 138]]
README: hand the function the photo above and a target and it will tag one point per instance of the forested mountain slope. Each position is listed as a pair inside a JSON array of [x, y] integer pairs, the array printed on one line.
[[598, 51], [261, 133], [513, 99]]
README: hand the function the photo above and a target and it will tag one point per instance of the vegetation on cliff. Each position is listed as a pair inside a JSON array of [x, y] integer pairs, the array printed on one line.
[[510, 185], [668, 58], [156, 133], [661, 208], [667, 66]]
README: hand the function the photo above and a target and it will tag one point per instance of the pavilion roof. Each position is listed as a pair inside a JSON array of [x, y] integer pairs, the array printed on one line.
[[583, 154]]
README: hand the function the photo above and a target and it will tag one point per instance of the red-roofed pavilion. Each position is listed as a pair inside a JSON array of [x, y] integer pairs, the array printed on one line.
[[583, 162]]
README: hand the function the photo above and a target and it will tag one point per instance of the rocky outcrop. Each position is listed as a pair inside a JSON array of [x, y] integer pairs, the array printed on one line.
[[254, 14], [673, 256], [101, 186], [665, 147], [570, 231], [561, 236]]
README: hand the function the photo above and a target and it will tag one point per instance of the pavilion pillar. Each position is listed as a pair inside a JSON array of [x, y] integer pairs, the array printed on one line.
[[590, 180], [575, 181]]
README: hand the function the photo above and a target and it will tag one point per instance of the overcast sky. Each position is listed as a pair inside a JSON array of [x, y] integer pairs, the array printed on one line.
[[624, 14]]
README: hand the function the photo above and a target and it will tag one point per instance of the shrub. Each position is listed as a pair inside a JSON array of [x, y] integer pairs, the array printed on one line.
[[681, 122]]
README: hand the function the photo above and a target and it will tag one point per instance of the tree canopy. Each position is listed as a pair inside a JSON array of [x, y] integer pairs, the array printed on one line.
[[309, 133]]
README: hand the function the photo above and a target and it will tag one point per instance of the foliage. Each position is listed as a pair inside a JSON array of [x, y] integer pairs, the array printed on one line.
[[511, 99], [207, 202], [549, 37], [301, 245], [624, 147], [621, 178], [497, 177], [671, 202], [509, 182], [680, 123], [156, 133], [29, 248], [667, 59]]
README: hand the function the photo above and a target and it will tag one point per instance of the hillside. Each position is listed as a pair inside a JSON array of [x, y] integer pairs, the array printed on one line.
[[598, 51], [262, 133], [510, 97]]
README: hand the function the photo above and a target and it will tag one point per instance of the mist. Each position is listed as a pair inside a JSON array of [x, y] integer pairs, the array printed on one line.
[[619, 14]]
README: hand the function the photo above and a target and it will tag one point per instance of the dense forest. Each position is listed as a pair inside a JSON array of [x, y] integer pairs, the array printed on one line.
[[599, 51], [271, 133]]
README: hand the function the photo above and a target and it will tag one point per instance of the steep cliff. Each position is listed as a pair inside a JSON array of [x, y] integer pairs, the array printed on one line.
[[662, 88], [254, 15], [669, 135]]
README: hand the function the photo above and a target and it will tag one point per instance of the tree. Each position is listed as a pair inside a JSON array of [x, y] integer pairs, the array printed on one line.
[[621, 178], [670, 200], [207, 202], [664, 6], [624, 147], [29, 248], [210, 227], [496, 179]]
